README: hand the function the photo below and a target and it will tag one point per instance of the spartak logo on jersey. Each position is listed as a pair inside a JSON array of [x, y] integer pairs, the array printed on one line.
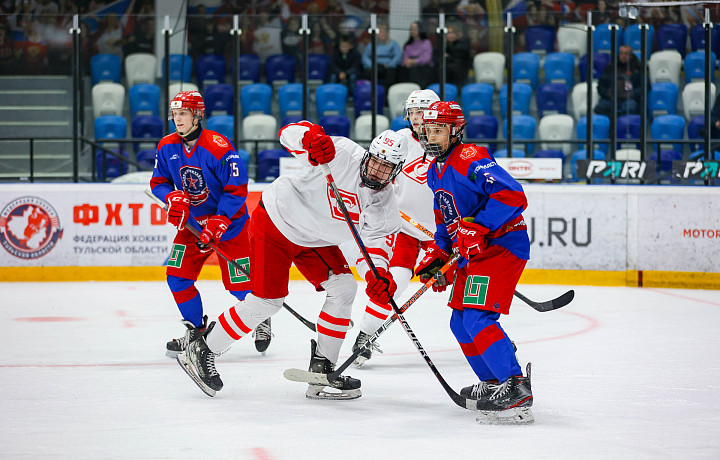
[[450, 214], [219, 141], [29, 227], [352, 203], [194, 184], [417, 170]]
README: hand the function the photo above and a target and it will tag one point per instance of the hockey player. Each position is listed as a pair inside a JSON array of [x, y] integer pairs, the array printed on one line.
[[199, 175], [478, 207], [414, 199], [298, 221]]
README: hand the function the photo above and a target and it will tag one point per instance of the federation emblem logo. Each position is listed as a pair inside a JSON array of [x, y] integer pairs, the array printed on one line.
[[194, 184], [29, 227], [417, 170], [450, 214], [219, 141]]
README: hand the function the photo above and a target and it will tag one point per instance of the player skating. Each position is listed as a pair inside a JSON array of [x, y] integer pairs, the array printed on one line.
[[478, 207], [199, 174], [298, 221]]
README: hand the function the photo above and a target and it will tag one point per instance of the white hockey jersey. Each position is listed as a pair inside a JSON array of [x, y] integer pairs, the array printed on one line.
[[415, 198], [304, 209]]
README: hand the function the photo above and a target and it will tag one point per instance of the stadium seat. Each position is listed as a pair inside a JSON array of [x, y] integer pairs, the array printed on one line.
[[628, 127], [526, 69], [699, 155], [663, 99], [480, 127], [556, 127], [336, 125], [280, 69], [522, 93], [523, 129], [489, 67], [560, 68], [105, 68], [477, 99], [579, 98], [108, 99], [582, 155], [602, 40], [451, 91], [600, 61], [695, 66], [181, 66], [331, 99], [672, 37], [144, 99], [628, 154], [146, 126], [291, 119], [503, 153], [290, 99], [601, 131], [572, 38], [695, 128], [397, 95], [218, 99], [110, 127], [210, 69], [146, 159], [631, 37], [551, 98], [398, 123], [268, 164], [668, 127], [223, 124], [362, 99], [318, 67], [256, 98], [248, 69], [550, 153], [108, 166], [140, 68], [697, 38], [693, 99], [260, 127], [664, 66], [244, 156], [174, 88], [666, 159], [363, 127], [540, 39]]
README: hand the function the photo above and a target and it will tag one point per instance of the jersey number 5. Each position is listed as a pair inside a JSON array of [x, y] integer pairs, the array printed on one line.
[[235, 172]]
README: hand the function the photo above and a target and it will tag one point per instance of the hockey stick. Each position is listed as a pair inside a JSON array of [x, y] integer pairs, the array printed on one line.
[[548, 305], [235, 265]]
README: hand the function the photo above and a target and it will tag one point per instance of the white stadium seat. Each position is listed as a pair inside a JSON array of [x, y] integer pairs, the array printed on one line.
[[108, 99], [140, 68], [556, 126], [363, 127], [260, 126], [489, 68], [397, 94], [665, 66]]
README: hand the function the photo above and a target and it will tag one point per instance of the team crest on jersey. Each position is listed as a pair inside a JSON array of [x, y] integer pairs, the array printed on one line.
[[467, 152], [417, 170], [29, 227], [194, 184], [450, 214], [219, 141], [352, 203]]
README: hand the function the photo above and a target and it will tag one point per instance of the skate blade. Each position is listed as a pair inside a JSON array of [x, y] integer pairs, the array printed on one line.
[[514, 416], [187, 367], [359, 361], [172, 354], [331, 394]]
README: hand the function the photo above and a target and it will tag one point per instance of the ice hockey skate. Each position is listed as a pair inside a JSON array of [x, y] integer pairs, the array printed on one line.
[[508, 403], [367, 352], [177, 346], [263, 335], [480, 389], [344, 387], [198, 362]]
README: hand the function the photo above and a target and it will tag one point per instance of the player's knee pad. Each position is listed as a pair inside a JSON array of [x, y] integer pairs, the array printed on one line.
[[341, 290], [402, 277], [261, 309]]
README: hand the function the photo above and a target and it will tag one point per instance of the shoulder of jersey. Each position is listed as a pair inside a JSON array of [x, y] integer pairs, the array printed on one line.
[[172, 138], [470, 153], [215, 143]]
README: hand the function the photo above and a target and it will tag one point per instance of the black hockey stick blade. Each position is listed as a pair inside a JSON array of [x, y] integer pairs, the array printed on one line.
[[548, 305]]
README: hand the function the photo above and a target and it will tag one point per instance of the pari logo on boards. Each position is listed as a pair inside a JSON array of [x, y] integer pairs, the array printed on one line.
[[29, 227]]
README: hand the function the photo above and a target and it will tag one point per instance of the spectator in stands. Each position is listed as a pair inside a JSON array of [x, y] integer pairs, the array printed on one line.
[[291, 39], [475, 21], [417, 59], [346, 63], [34, 56], [109, 36], [322, 35], [457, 56], [8, 52], [602, 15], [58, 42], [267, 36], [389, 57], [142, 39], [629, 85]]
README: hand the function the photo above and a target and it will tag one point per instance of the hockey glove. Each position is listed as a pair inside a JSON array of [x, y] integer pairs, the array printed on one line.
[[471, 239], [433, 261], [319, 146], [214, 229], [178, 208], [380, 289]]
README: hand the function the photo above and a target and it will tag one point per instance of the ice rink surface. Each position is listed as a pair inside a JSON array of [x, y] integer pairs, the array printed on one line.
[[627, 373]]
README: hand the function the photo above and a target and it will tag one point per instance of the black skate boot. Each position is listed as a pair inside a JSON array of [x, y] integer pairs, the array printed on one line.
[[177, 346], [198, 361], [367, 352], [508, 403], [344, 387], [263, 334], [480, 389]]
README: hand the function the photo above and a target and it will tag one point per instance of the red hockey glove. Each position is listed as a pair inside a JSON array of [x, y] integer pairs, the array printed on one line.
[[471, 239], [433, 261], [380, 289], [178, 208], [214, 229], [319, 146], [445, 280]]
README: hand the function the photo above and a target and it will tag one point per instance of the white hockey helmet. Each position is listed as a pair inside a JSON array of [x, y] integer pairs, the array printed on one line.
[[384, 159], [420, 99]]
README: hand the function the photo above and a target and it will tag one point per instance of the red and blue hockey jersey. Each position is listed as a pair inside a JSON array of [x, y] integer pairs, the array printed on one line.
[[472, 184], [212, 173]]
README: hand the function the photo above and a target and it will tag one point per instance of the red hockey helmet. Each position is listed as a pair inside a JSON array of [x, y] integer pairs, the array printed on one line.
[[191, 100], [444, 114]]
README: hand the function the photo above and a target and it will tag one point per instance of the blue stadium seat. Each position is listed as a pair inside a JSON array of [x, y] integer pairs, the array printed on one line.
[[477, 99], [503, 153], [318, 67], [628, 127], [218, 99], [144, 99], [522, 93], [560, 68], [602, 40], [331, 99], [700, 155], [601, 131], [551, 153], [181, 66], [526, 69], [524, 127], [110, 127], [600, 61], [210, 69], [362, 99], [695, 127], [540, 39], [280, 69], [105, 67], [551, 98], [244, 156], [672, 37], [290, 119], [695, 66], [223, 124], [256, 98], [481, 127], [399, 123], [582, 155], [290, 98], [248, 69], [451, 91], [146, 126], [111, 167], [631, 37], [662, 99], [666, 159], [668, 127], [146, 159], [336, 125], [268, 164], [697, 38]]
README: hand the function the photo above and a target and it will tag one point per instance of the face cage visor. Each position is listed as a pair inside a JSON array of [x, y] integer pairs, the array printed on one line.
[[376, 173]]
